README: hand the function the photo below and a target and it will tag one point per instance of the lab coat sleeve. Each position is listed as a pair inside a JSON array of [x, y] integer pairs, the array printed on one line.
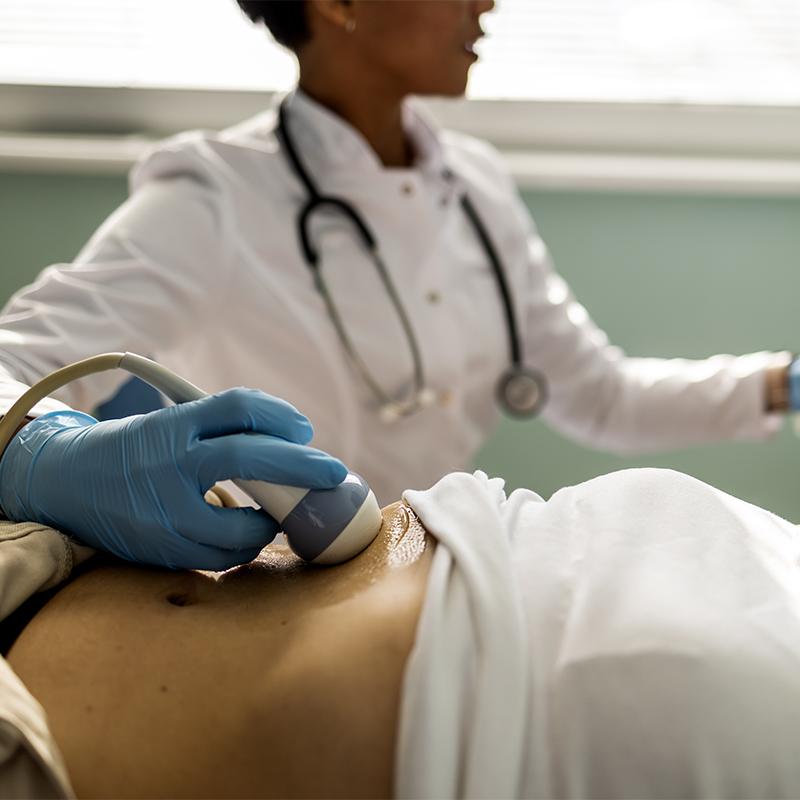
[[32, 558], [605, 399], [144, 279], [598, 395]]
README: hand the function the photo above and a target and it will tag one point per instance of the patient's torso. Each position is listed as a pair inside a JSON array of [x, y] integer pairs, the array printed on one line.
[[271, 680]]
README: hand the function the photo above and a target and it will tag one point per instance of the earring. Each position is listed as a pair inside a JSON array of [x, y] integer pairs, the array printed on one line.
[[350, 25]]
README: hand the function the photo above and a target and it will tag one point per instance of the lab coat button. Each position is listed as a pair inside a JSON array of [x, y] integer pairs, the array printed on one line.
[[445, 398], [407, 189], [434, 297]]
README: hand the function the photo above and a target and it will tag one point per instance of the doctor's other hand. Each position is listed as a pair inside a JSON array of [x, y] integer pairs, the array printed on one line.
[[135, 486]]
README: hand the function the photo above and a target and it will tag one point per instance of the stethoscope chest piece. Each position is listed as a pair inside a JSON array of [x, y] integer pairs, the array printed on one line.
[[521, 391]]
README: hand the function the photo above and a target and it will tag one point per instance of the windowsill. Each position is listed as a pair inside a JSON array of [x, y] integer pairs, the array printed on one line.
[[627, 147]]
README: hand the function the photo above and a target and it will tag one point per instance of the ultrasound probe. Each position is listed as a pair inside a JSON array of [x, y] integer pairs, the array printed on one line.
[[323, 526]]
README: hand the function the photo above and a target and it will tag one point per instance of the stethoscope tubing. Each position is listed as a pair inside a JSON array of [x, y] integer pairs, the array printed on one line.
[[316, 201], [500, 276]]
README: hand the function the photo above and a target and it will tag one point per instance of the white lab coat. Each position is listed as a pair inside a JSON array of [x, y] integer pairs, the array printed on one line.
[[201, 270]]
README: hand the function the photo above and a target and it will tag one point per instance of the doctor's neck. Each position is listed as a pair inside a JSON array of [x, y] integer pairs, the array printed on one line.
[[377, 114]]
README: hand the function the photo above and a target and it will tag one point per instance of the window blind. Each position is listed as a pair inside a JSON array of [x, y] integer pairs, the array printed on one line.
[[682, 51]]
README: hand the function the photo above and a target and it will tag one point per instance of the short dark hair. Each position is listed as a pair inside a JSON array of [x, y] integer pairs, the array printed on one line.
[[285, 19]]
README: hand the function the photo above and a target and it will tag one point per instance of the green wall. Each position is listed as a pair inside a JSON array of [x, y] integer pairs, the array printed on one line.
[[663, 275]]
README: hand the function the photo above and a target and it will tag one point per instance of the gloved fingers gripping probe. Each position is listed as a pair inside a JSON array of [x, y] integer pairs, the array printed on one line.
[[323, 526]]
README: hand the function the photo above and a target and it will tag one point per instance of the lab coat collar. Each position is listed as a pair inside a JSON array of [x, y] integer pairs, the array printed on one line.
[[331, 144]]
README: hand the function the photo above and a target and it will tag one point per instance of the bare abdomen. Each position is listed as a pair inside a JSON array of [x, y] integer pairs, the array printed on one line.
[[277, 681]]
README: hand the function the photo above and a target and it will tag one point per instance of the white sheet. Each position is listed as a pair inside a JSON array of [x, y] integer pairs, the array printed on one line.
[[637, 635]]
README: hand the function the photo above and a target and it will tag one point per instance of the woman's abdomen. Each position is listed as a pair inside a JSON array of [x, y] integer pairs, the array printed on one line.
[[276, 680]]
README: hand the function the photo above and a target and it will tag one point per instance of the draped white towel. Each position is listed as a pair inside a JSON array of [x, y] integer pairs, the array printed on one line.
[[471, 640], [637, 635]]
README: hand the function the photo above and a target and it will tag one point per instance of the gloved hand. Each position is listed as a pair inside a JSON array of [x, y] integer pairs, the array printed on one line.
[[135, 486]]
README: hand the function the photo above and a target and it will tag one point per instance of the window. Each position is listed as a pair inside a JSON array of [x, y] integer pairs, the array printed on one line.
[[205, 44], [649, 94], [687, 51], [736, 52]]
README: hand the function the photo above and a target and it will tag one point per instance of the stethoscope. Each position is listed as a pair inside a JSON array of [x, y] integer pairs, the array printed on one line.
[[521, 391]]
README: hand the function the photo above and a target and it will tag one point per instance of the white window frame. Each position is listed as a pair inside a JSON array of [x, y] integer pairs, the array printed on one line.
[[564, 145]]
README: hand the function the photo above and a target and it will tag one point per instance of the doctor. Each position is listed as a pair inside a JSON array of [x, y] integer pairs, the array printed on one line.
[[342, 253]]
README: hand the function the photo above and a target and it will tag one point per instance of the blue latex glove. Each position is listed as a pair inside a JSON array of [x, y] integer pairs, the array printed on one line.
[[135, 486]]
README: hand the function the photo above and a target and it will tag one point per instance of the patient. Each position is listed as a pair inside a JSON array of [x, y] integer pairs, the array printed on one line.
[[637, 635]]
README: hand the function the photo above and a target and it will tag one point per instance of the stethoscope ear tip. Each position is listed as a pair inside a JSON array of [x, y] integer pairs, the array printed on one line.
[[392, 412], [389, 413], [427, 397]]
